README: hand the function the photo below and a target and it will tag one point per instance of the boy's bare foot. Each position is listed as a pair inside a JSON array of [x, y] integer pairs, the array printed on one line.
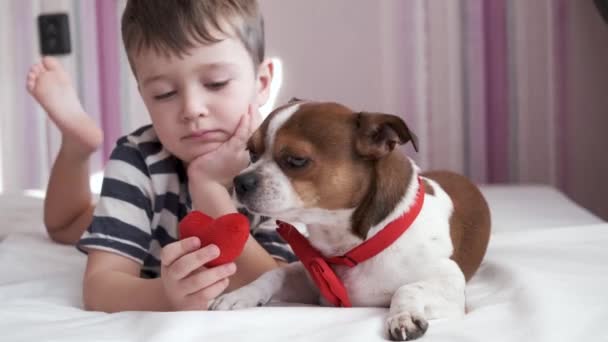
[[50, 85]]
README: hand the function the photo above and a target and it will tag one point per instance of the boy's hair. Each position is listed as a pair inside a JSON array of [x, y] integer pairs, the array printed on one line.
[[174, 26]]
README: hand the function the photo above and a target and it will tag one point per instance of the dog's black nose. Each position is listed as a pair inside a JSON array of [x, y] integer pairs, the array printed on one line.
[[245, 183]]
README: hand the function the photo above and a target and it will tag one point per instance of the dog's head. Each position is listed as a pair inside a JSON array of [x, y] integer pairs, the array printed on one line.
[[311, 160]]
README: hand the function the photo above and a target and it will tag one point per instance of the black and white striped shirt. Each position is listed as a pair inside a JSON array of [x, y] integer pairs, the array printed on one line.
[[143, 197]]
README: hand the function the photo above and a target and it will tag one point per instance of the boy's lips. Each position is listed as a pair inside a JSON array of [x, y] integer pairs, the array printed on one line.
[[203, 135]]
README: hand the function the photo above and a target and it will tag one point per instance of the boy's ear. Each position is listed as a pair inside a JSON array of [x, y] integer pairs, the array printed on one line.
[[264, 81]]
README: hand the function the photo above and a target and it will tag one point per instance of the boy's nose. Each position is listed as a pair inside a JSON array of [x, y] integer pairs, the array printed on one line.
[[194, 106]]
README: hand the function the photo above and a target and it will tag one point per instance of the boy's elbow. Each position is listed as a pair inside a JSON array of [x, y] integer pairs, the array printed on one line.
[[65, 235], [88, 304], [91, 302], [59, 237], [91, 298]]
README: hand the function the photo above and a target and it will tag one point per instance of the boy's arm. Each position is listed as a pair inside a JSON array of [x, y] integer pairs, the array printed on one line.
[[213, 199], [112, 284], [208, 178]]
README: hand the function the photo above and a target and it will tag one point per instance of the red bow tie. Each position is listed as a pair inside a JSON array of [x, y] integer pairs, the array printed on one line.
[[329, 284]]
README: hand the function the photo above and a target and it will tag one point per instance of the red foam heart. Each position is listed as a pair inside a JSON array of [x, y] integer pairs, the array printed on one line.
[[229, 232]]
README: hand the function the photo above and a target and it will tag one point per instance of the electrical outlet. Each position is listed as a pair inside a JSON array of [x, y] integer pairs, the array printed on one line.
[[54, 34]]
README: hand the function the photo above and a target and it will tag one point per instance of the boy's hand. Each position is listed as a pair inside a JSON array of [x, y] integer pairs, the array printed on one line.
[[224, 163], [189, 285]]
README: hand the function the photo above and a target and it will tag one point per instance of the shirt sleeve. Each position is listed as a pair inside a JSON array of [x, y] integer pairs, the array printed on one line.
[[266, 235], [123, 214]]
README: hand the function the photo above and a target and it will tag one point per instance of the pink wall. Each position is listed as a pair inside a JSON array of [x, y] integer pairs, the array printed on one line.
[[371, 55], [587, 115], [335, 50]]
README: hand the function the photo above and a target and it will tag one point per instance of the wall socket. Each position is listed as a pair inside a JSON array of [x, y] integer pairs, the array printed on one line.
[[54, 34]]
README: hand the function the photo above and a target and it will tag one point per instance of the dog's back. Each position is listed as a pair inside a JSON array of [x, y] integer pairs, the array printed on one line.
[[470, 221]]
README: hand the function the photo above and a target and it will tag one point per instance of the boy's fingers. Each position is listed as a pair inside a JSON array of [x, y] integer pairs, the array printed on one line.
[[209, 293], [241, 135], [175, 250], [244, 157], [243, 130], [192, 261], [206, 278]]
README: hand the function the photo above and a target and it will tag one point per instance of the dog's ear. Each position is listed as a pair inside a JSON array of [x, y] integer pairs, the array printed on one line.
[[378, 134]]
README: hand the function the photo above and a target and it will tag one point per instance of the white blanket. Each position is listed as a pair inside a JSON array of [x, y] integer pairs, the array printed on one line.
[[539, 282]]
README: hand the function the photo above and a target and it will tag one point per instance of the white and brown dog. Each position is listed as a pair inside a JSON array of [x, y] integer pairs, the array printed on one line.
[[338, 172]]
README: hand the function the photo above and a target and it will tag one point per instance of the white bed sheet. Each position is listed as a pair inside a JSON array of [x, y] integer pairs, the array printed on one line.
[[544, 279]]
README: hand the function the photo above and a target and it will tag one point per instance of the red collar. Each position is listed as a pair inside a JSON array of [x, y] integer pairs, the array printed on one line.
[[317, 265]]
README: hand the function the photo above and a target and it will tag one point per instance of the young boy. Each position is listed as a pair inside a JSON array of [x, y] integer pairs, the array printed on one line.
[[201, 73]]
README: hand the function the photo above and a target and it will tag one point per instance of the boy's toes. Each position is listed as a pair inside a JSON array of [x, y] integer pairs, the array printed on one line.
[[32, 76], [50, 63], [37, 69]]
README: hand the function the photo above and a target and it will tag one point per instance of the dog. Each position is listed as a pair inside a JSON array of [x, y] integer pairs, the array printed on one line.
[[340, 173]]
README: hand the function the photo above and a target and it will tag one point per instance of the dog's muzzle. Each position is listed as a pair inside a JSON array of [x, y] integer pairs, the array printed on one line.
[[245, 184]]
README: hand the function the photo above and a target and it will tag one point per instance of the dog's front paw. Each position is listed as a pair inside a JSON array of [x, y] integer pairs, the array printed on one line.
[[245, 297], [406, 326]]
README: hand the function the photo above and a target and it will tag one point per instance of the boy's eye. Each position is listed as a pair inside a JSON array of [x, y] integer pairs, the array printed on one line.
[[216, 85], [165, 95]]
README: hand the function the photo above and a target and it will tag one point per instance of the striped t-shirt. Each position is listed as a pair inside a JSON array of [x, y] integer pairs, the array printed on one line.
[[143, 197]]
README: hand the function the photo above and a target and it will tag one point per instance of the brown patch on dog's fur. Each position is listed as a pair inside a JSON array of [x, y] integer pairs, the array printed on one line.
[[390, 179], [307, 191], [335, 178], [470, 222], [341, 179], [428, 188], [256, 142]]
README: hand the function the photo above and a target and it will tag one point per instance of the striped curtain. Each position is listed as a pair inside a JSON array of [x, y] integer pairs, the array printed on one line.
[[510, 91], [488, 77], [495, 89]]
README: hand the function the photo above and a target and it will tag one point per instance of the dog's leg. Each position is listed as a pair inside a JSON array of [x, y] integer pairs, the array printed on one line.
[[441, 296], [289, 283]]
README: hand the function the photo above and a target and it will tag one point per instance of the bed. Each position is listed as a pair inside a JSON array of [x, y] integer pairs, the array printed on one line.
[[545, 278]]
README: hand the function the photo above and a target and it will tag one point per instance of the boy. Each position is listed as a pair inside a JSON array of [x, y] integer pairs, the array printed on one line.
[[201, 73]]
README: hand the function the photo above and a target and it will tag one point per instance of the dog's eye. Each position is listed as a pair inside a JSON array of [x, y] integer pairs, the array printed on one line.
[[296, 162], [253, 157]]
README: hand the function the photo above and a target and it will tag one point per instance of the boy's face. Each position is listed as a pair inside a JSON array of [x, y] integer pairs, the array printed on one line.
[[196, 101]]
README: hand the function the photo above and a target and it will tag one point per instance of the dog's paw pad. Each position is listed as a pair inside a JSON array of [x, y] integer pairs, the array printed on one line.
[[406, 326]]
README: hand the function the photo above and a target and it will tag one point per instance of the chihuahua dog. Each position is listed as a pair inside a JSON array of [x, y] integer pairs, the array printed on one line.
[[406, 240]]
